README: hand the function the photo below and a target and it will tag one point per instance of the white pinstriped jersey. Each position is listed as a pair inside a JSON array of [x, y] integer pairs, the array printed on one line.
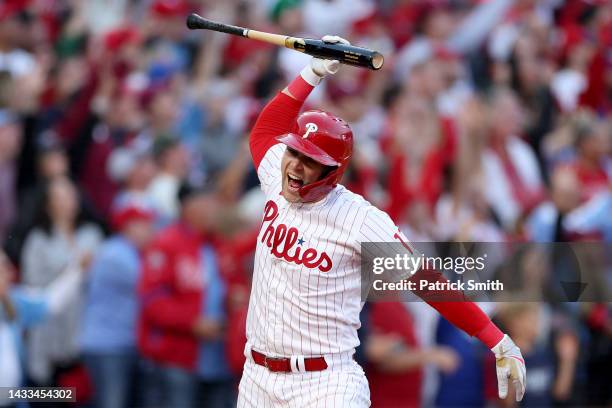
[[305, 297]]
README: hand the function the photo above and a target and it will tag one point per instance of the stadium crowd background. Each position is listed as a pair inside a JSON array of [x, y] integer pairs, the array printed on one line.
[[490, 121]]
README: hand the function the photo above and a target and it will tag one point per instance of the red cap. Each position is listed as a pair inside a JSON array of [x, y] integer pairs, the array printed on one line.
[[12, 7], [131, 212], [365, 24], [117, 38], [170, 8]]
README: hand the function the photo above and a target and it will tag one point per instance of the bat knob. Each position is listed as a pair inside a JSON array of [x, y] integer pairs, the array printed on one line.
[[194, 21]]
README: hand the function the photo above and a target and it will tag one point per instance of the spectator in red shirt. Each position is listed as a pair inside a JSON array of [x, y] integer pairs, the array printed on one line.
[[403, 19], [180, 279], [396, 359], [237, 255], [512, 174], [592, 143], [114, 130], [420, 147]]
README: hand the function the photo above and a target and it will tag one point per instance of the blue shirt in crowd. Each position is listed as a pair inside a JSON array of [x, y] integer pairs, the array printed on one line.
[[31, 308], [540, 362], [593, 216], [112, 303], [463, 387], [212, 361]]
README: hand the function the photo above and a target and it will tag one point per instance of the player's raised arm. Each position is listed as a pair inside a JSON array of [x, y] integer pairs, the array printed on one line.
[[278, 116]]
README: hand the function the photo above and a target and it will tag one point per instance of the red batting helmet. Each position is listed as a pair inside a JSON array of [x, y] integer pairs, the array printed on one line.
[[326, 139]]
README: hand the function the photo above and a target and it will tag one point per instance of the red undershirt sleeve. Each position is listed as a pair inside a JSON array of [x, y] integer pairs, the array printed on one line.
[[463, 314], [277, 118]]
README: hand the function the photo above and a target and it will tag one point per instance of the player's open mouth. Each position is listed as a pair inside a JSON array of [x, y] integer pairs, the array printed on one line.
[[294, 182]]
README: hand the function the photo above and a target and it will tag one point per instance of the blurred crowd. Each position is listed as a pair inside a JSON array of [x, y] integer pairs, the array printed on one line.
[[129, 205]]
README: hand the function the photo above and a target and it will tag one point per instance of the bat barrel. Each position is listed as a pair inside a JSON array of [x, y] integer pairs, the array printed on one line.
[[346, 54]]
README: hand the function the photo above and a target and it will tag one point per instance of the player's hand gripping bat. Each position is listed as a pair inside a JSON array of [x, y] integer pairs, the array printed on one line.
[[346, 54]]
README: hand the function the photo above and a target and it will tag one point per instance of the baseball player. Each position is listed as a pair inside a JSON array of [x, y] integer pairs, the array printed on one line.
[[305, 299]]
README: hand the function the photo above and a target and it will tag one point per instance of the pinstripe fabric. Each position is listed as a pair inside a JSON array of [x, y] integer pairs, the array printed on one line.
[[305, 296], [344, 386]]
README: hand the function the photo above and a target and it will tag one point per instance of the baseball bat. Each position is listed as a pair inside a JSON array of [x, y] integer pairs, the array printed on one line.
[[346, 54]]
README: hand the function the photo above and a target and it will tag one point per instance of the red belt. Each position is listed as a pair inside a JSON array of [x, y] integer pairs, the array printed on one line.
[[283, 365]]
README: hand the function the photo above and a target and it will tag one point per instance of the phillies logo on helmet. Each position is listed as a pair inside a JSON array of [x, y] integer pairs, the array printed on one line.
[[310, 128]]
